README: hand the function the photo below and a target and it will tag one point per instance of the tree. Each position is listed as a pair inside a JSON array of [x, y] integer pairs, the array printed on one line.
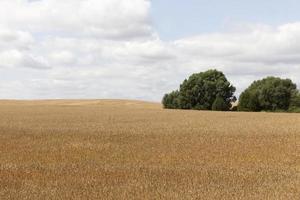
[[200, 91], [219, 105], [295, 102], [171, 101], [249, 101], [269, 94]]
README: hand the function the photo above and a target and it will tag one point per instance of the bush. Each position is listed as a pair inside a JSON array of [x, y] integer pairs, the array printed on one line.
[[200, 92], [269, 94]]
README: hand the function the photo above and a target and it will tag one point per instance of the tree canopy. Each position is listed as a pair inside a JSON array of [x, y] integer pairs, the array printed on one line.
[[269, 94], [202, 91]]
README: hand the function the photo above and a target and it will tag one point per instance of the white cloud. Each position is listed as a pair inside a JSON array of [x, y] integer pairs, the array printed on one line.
[[115, 19], [108, 49], [255, 53], [14, 39]]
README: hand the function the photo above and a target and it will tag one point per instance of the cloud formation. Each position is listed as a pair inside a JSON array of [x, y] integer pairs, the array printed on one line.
[[109, 49], [105, 19]]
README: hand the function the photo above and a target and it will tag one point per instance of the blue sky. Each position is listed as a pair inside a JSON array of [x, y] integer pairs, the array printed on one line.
[[175, 19]]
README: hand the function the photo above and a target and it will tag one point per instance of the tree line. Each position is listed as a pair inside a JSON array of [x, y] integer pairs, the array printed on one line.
[[210, 90]]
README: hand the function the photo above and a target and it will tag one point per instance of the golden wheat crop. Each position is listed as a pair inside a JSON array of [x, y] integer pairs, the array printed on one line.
[[136, 150]]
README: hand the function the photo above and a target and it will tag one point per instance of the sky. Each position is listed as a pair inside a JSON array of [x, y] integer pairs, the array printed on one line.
[[141, 49], [174, 19]]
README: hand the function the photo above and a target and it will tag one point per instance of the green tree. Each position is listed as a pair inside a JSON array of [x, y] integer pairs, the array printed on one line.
[[269, 94], [249, 101], [172, 100], [200, 91], [295, 102], [220, 105]]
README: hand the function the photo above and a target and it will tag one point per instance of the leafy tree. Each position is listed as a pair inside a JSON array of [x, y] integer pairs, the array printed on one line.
[[249, 101], [200, 92], [234, 108], [220, 105], [269, 94], [295, 102], [172, 100]]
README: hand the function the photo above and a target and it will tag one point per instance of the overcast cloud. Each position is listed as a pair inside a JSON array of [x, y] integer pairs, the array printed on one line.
[[109, 49]]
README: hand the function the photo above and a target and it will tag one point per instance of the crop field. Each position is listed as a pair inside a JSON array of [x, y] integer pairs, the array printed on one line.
[[136, 150]]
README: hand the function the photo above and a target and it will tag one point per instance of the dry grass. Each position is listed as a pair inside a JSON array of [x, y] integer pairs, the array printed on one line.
[[135, 150]]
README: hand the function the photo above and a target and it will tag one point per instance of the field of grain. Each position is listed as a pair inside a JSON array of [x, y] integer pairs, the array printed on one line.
[[135, 150]]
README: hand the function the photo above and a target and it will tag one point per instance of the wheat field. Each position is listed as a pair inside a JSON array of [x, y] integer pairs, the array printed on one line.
[[114, 149]]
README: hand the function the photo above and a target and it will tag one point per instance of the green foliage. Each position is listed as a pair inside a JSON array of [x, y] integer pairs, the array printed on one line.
[[269, 94], [249, 101], [294, 110], [295, 100], [200, 92], [171, 101], [234, 109], [295, 103], [220, 105]]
